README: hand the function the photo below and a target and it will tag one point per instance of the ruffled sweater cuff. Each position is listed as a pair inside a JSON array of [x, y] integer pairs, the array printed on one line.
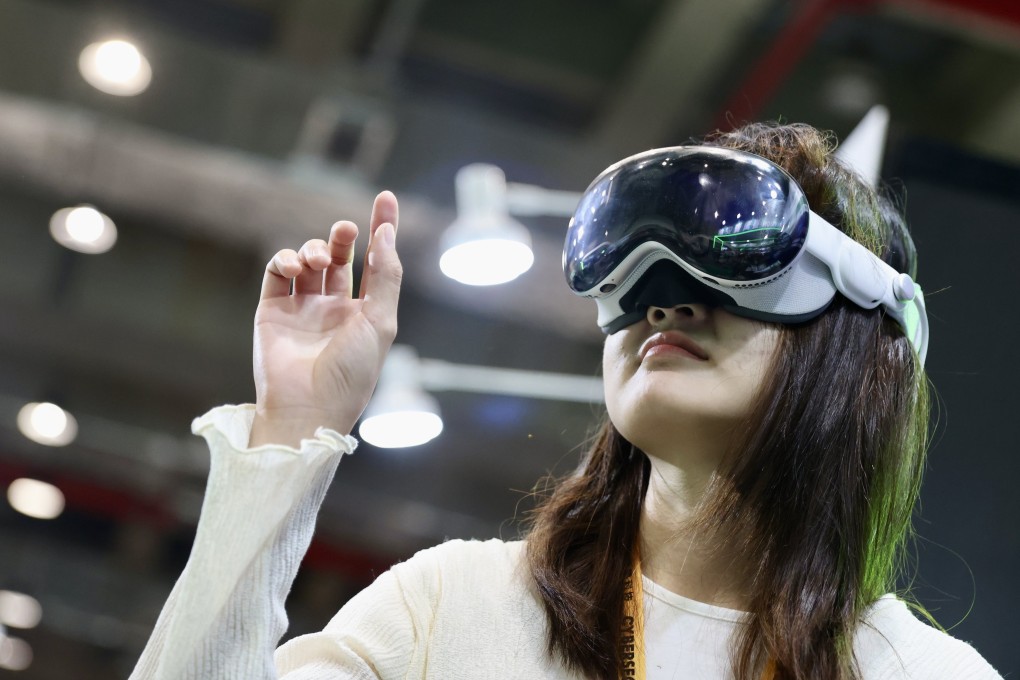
[[231, 425]]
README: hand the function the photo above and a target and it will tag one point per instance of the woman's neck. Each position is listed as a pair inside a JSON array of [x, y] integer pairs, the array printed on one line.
[[675, 553]]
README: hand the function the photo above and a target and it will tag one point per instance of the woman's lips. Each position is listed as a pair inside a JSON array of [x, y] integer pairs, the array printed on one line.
[[672, 343]]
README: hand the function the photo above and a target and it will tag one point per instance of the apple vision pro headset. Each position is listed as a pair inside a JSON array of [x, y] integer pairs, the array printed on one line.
[[725, 228]]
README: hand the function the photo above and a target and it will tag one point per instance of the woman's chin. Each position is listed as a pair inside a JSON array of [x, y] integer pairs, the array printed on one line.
[[675, 426]]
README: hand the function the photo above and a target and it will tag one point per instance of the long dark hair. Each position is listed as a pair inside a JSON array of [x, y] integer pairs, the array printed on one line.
[[819, 486]]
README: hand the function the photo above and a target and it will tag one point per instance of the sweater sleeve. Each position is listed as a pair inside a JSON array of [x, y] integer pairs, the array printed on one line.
[[225, 615]]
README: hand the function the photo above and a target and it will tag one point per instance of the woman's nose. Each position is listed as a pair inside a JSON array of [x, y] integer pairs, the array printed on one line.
[[686, 314]]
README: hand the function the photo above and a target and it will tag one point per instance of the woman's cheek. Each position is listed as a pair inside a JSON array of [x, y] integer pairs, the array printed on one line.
[[614, 377]]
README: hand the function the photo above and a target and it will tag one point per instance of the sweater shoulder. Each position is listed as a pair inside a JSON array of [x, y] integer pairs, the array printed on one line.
[[465, 561], [473, 589], [894, 643], [457, 550]]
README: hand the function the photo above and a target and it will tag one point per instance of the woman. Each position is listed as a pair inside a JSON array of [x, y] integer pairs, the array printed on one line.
[[740, 513]]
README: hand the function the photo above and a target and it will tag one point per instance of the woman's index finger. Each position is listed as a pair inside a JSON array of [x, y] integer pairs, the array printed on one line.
[[385, 209]]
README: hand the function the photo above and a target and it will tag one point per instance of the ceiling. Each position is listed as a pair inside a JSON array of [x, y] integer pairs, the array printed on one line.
[[266, 121]]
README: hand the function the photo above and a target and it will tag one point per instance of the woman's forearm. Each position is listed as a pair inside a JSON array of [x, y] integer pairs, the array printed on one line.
[[226, 614]]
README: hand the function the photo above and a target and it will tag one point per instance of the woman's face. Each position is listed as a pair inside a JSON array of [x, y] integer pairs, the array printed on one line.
[[683, 378]]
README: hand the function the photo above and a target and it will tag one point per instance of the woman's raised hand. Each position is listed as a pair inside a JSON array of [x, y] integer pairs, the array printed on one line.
[[319, 350]]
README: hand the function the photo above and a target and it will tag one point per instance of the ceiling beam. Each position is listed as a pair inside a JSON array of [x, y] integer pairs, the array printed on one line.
[[319, 32], [250, 202]]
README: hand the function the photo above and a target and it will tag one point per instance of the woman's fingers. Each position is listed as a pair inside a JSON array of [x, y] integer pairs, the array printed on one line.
[[381, 282], [385, 210], [314, 258], [340, 275], [328, 267], [283, 267]]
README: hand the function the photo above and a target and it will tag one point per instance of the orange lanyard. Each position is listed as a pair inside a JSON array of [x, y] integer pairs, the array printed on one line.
[[632, 657], [632, 641]]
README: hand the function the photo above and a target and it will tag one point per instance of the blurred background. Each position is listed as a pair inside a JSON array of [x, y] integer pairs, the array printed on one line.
[[218, 131]]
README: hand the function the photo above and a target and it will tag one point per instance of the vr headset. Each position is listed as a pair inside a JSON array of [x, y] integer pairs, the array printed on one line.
[[725, 228]]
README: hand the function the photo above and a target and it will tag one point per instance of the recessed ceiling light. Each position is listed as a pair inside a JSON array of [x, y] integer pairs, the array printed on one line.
[[84, 229], [35, 499], [46, 423], [116, 67], [18, 610], [15, 654]]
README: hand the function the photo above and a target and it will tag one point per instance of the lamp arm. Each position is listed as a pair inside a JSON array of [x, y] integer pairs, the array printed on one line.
[[528, 199], [438, 375]]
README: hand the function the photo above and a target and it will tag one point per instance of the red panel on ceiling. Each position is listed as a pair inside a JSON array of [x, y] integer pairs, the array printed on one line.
[[1006, 11], [807, 23], [769, 73]]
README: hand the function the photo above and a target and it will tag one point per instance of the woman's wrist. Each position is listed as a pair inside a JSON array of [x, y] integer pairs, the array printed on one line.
[[289, 427]]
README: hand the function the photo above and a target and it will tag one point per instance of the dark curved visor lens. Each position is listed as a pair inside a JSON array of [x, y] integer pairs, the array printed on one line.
[[730, 215]]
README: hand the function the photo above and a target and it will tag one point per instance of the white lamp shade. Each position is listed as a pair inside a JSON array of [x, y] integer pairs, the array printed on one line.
[[401, 413], [401, 417], [401, 429], [484, 246], [486, 249]]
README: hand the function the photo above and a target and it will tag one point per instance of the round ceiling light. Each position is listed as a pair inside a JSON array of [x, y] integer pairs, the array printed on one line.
[[401, 429], [15, 654], [486, 261], [46, 423], [115, 67], [18, 610], [84, 229], [35, 499]]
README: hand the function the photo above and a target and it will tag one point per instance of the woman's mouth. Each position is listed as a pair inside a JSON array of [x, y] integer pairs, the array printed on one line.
[[672, 343]]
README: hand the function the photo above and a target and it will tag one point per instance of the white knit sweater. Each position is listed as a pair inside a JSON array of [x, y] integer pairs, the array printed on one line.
[[462, 610]]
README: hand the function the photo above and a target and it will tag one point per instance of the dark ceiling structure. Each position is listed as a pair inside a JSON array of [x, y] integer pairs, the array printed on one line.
[[268, 120]]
